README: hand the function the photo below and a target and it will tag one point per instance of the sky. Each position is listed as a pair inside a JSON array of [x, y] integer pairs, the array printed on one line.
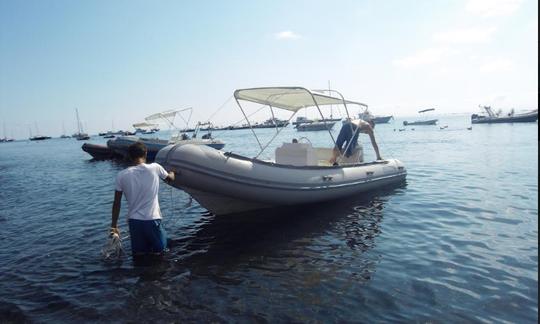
[[120, 61]]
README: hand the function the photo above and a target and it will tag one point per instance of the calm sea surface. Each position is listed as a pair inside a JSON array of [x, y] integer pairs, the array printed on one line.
[[458, 242]]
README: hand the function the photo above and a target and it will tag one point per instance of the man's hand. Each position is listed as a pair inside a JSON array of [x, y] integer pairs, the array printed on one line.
[[170, 178], [114, 230]]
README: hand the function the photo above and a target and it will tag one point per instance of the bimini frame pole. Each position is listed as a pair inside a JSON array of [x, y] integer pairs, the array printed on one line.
[[322, 116], [278, 130], [249, 124]]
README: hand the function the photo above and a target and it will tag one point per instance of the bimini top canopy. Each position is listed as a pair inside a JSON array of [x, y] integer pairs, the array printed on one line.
[[426, 110], [166, 114], [289, 98]]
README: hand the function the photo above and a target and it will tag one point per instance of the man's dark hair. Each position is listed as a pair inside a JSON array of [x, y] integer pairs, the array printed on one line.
[[137, 150]]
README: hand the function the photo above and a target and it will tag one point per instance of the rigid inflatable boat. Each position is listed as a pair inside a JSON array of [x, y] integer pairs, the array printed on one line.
[[225, 182]]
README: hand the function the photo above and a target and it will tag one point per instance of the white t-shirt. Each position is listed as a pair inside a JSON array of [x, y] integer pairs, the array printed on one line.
[[140, 184]]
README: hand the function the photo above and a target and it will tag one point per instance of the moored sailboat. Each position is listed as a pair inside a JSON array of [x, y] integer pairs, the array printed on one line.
[[80, 135]]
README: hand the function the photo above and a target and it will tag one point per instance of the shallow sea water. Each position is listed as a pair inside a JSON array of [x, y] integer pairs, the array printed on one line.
[[458, 242]]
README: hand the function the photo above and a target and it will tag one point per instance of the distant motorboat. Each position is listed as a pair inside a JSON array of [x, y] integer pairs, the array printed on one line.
[[315, 126], [304, 120], [366, 116], [111, 134], [382, 119], [39, 138], [424, 122], [489, 117], [269, 123], [421, 122], [146, 128], [272, 123]]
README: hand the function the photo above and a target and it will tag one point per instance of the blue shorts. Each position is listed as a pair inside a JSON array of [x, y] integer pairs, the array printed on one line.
[[347, 134], [147, 236]]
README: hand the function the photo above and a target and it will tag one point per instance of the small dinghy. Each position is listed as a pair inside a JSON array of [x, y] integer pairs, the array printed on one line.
[[423, 122], [226, 183]]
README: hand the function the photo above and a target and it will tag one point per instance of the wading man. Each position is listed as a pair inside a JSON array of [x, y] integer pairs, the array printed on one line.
[[140, 184]]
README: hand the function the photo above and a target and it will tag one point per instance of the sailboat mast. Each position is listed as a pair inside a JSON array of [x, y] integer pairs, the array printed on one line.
[[78, 121]]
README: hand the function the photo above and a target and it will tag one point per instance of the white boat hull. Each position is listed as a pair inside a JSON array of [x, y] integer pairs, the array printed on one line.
[[225, 183]]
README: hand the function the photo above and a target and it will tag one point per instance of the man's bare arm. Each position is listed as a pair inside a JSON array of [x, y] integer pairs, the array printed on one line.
[[374, 143], [116, 209]]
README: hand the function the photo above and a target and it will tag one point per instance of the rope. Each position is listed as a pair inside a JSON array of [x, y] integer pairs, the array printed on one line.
[[221, 107]]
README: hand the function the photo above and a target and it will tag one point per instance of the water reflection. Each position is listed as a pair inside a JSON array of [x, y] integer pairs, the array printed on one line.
[[228, 239]]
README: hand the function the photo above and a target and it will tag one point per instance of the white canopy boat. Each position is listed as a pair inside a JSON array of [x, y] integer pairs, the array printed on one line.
[[225, 183], [120, 144]]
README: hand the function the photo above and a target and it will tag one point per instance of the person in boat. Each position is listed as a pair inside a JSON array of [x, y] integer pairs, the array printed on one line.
[[140, 184], [348, 138]]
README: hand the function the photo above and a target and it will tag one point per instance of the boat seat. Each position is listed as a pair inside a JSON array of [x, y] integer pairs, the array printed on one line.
[[324, 155], [304, 154], [356, 157], [297, 154]]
